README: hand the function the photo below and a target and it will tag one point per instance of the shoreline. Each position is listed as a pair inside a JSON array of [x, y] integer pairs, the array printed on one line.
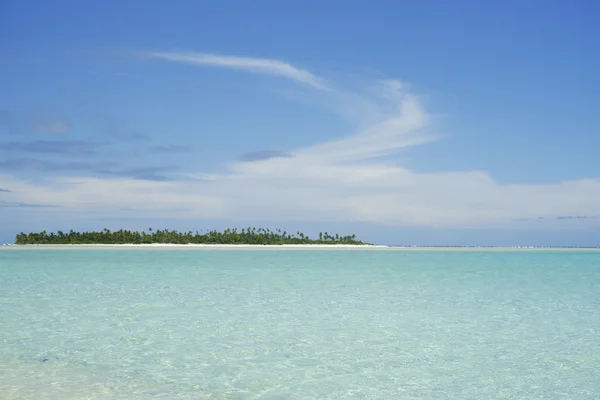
[[198, 246], [338, 247]]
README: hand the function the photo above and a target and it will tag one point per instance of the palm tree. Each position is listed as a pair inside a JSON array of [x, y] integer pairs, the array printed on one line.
[[249, 235]]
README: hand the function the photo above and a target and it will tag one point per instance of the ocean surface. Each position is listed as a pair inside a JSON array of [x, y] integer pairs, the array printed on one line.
[[299, 324]]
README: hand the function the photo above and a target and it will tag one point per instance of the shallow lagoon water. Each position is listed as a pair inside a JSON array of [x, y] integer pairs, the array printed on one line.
[[299, 324]]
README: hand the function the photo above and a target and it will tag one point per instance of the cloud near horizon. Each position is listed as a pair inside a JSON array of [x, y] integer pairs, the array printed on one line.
[[336, 180]]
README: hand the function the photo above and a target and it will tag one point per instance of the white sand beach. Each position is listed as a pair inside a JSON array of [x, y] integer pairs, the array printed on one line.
[[204, 246], [320, 247]]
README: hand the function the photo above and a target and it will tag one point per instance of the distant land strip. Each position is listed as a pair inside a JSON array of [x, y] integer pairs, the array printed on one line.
[[251, 235]]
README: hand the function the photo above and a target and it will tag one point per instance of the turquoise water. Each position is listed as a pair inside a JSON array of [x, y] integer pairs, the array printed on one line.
[[299, 324]]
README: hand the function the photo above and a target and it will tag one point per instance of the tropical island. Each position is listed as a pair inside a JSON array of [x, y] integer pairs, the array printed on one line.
[[247, 236]]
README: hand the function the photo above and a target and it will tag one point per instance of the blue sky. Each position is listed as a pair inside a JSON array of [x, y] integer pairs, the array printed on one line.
[[403, 122]]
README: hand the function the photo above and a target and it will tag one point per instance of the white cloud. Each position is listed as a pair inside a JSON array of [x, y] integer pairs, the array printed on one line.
[[336, 180], [81, 194], [284, 189], [258, 65]]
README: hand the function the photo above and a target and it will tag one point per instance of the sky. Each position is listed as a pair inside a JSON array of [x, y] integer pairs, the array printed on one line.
[[404, 122]]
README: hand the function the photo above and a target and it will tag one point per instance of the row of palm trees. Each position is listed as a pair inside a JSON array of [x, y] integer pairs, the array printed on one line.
[[249, 235]]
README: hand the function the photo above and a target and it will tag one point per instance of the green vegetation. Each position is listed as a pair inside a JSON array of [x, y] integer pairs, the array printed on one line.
[[229, 236]]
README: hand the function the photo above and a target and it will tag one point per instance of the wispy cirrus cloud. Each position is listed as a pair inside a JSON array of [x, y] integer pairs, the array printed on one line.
[[12, 204], [262, 155], [62, 147], [33, 164], [106, 168], [258, 65], [157, 174], [400, 129]]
